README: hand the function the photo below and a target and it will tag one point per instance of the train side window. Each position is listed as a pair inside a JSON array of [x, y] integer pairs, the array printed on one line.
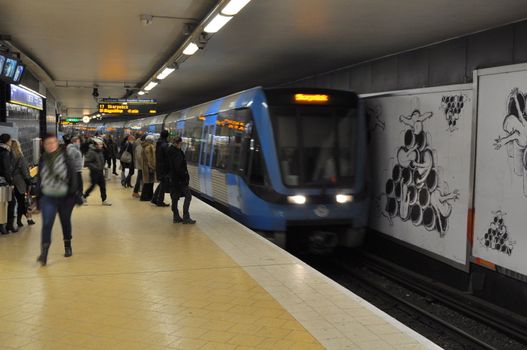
[[240, 139], [192, 138], [222, 140]]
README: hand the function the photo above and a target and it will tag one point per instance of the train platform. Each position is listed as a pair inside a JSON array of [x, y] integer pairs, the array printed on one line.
[[138, 281]]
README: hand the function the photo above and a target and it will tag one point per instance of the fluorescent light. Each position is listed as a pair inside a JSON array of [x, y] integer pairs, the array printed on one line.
[[141, 93], [165, 73], [342, 198], [298, 199], [217, 23], [234, 6], [190, 49], [151, 85]]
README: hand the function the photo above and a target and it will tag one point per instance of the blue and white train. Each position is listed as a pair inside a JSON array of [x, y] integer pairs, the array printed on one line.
[[278, 159]]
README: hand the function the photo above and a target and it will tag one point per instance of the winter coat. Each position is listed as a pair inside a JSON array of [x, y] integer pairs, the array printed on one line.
[[95, 160], [149, 162], [138, 154], [178, 172], [21, 178], [72, 180], [110, 151], [6, 163], [75, 155], [162, 166]]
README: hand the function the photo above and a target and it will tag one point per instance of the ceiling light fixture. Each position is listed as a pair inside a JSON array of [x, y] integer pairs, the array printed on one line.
[[166, 72], [234, 6], [190, 49], [151, 85], [216, 24], [141, 93]]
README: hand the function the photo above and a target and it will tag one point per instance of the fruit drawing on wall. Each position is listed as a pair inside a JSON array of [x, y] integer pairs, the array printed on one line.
[[375, 120], [415, 191], [497, 237], [452, 106], [515, 137]]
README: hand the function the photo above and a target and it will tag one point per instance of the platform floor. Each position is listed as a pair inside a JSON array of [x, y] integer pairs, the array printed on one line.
[[137, 281]]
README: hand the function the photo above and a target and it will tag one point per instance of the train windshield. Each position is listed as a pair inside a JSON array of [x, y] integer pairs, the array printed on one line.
[[316, 144]]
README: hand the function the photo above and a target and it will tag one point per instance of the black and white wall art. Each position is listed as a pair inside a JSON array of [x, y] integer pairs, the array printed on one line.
[[421, 168], [501, 167]]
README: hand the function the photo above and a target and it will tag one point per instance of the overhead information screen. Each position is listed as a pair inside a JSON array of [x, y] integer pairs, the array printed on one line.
[[9, 68], [24, 97], [131, 106]]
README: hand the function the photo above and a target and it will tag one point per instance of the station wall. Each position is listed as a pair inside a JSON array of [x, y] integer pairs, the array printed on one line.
[[447, 63]]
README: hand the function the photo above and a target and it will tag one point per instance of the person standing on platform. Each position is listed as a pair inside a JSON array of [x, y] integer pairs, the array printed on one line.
[[6, 171], [95, 162], [127, 161], [57, 189], [179, 182], [111, 153], [74, 153], [21, 182], [138, 164], [149, 168], [162, 170]]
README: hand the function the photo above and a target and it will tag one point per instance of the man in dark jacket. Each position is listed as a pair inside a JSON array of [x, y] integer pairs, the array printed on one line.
[[6, 171], [95, 162], [179, 181], [110, 153], [162, 170]]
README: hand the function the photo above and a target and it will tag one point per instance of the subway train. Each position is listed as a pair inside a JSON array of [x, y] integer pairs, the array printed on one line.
[[280, 160]]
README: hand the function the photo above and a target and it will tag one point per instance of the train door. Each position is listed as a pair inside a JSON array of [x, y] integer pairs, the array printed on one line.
[[206, 155]]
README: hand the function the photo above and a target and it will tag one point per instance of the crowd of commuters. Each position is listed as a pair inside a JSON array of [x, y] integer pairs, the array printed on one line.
[[58, 186]]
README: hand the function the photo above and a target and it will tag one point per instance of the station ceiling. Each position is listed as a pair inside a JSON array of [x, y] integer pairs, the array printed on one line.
[[82, 43]]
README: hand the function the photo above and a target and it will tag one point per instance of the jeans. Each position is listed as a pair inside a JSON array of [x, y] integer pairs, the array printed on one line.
[[159, 194], [49, 207], [97, 178], [138, 181], [174, 195]]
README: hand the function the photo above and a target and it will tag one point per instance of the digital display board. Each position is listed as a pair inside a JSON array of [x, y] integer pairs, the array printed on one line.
[[25, 97], [2, 61], [9, 68], [126, 108], [18, 73]]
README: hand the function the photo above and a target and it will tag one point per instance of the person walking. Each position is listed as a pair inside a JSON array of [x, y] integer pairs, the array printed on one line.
[[111, 153], [57, 189], [162, 170], [138, 164], [95, 162], [127, 161], [74, 153], [21, 182], [149, 168], [179, 182], [6, 171]]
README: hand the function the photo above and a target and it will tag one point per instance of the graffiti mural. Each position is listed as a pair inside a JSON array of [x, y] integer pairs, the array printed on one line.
[[497, 236], [414, 191], [452, 106]]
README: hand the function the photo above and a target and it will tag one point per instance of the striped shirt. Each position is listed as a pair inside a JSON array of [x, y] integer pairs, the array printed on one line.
[[54, 175]]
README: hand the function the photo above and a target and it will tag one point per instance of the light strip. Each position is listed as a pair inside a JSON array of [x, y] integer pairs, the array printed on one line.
[[216, 24], [151, 85], [190, 49], [234, 6], [165, 73]]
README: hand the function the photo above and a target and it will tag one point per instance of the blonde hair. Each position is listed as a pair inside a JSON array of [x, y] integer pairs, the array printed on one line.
[[16, 148]]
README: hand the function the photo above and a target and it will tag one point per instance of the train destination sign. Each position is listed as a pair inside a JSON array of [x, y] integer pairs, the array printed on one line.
[[127, 108]]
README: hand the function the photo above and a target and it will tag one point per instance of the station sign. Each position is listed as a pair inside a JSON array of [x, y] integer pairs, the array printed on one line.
[[127, 108], [25, 97]]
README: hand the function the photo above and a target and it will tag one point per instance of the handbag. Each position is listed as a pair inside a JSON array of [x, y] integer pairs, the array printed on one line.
[[126, 157]]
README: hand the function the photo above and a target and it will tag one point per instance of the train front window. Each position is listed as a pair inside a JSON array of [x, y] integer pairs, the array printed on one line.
[[315, 145]]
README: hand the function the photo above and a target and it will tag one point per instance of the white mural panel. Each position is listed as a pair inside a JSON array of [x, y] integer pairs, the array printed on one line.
[[500, 230], [420, 146]]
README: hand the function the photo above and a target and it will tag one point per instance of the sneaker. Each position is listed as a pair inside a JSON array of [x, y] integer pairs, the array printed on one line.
[[189, 221], [106, 203]]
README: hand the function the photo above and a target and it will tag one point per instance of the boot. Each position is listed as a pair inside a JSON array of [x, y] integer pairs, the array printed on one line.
[[19, 222], [67, 249], [3, 230], [30, 222], [43, 257], [188, 221], [10, 227]]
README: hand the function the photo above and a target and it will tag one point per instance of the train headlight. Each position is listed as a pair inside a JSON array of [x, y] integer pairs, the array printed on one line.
[[298, 199], [343, 198]]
